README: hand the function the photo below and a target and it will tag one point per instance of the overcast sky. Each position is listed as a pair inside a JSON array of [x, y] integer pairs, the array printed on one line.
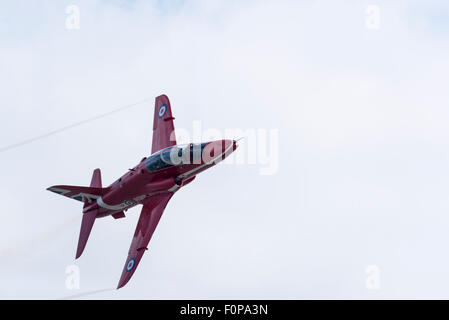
[[360, 106]]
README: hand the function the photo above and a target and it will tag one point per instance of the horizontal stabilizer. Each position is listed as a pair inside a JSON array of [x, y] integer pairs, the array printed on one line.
[[83, 194], [86, 227]]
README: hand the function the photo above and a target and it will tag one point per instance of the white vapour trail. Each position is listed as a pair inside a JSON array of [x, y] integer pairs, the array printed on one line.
[[73, 125], [18, 248], [88, 293]]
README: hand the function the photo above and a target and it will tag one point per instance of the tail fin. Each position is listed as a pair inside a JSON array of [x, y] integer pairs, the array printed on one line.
[[96, 179], [89, 216], [94, 183]]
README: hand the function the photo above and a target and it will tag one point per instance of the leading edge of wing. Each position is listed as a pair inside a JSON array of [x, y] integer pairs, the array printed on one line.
[[148, 220]]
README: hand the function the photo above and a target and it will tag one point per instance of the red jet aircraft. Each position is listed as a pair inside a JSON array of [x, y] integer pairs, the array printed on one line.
[[151, 183]]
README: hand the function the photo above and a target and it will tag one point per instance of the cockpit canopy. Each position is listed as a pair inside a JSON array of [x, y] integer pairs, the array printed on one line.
[[174, 156]]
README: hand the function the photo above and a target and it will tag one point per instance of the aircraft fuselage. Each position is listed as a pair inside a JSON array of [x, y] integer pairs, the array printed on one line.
[[164, 171]]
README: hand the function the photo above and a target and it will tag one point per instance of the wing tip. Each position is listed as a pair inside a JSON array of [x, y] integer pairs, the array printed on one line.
[[163, 95], [163, 98], [54, 189], [123, 281]]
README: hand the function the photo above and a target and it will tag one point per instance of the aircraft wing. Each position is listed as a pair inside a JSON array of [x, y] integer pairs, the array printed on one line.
[[149, 218], [163, 129]]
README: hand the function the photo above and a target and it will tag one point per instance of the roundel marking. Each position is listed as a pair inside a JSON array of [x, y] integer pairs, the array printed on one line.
[[129, 203], [162, 110], [130, 265]]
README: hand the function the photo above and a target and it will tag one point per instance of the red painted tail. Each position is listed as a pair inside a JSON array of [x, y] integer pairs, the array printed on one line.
[[88, 217]]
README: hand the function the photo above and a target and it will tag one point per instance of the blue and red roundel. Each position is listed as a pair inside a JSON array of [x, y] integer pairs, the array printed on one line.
[[130, 265], [162, 110]]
